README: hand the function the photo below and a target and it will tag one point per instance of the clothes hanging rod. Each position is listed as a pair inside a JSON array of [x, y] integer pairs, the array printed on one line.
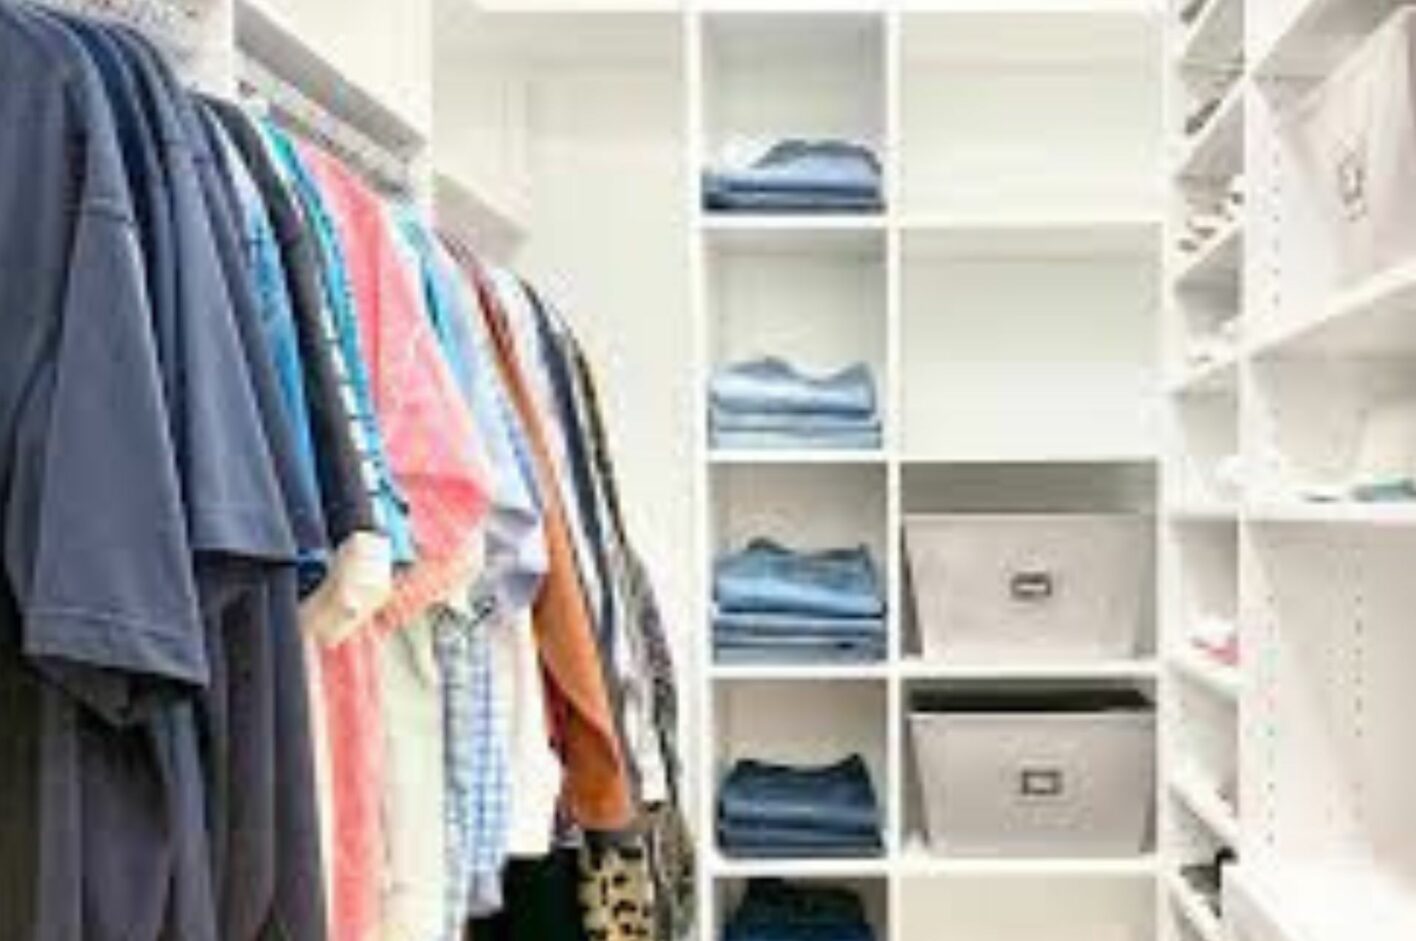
[[291, 107], [171, 24]]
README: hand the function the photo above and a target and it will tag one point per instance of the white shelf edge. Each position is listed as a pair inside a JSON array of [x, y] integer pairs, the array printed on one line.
[[1208, 264], [1195, 153], [1010, 457], [459, 202], [1203, 512], [728, 867], [732, 672], [1199, 916], [1392, 290], [711, 222], [1009, 222], [1303, 46], [772, 456], [916, 860], [1208, 807], [1331, 901], [1215, 376], [1220, 679], [916, 668], [263, 33], [1200, 31], [1336, 514]]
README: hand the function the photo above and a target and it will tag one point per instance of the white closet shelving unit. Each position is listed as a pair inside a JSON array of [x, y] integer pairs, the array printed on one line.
[[1007, 301], [1200, 536], [1311, 723]]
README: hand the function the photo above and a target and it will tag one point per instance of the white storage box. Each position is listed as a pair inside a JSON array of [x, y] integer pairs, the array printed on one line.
[[992, 588], [1069, 774], [1355, 143]]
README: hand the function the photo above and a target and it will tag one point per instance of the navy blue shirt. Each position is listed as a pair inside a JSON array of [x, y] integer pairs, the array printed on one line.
[[99, 622], [259, 784]]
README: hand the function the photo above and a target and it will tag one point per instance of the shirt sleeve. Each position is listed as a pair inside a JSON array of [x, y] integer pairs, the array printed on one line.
[[95, 541]]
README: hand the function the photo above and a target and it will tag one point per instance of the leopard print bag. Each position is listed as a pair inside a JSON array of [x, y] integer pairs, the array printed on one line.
[[616, 889]]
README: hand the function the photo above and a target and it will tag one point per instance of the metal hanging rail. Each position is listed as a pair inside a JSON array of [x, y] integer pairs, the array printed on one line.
[[383, 166]]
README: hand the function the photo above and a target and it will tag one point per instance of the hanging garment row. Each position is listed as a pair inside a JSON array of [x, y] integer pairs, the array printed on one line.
[[319, 617]]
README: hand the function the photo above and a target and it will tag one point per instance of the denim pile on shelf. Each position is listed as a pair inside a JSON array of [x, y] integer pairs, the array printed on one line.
[[799, 176], [775, 605], [782, 812], [774, 910], [768, 403]]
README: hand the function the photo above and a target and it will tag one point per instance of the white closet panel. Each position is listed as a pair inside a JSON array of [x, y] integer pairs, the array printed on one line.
[[1027, 357], [769, 77], [1026, 908], [814, 297], [803, 505], [1029, 114]]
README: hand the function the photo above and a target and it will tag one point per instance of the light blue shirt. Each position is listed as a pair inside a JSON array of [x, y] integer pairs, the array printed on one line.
[[390, 506]]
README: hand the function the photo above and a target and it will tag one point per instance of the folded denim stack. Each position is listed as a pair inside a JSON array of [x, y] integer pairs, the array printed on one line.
[[766, 403], [799, 176], [774, 910], [773, 604], [780, 812]]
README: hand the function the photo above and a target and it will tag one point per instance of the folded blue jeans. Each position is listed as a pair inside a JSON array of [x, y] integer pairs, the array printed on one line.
[[823, 654], [867, 439], [717, 199], [771, 385], [774, 910], [777, 843], [766, 577], [811, 168], [789, 624], [763, 807]]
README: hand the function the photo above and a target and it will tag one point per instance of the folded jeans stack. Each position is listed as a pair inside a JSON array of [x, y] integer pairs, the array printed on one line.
[[766, 403], [772, 604], [799, 176], [777, 811], [774, 910]]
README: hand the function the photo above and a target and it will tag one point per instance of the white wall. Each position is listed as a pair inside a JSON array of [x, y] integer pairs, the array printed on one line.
[[607, 245], [383, 46]]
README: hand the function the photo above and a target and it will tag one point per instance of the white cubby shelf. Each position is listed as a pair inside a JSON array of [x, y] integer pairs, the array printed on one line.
[[1042, 264]]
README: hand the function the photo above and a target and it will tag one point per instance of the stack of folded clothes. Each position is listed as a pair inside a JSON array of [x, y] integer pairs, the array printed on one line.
[[799, 176], [775, 811], [773, 910], [766, 402], [772, 604]]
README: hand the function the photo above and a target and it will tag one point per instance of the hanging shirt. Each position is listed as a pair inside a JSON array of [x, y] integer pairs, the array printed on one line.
[[267, 273], [598, 791], [479, 781], [272, 871], [414, 897], [391, 506], [428, 430], [520, 695], [358, 497], [98, 594]]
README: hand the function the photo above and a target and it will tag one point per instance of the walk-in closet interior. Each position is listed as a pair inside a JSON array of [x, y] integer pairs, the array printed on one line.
[[912, 470]]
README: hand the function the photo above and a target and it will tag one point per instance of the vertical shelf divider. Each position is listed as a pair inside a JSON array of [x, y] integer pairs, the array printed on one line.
[[694, 104], [894, 449]]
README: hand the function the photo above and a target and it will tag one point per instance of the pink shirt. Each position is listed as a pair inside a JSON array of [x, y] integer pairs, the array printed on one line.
[[429, 435]]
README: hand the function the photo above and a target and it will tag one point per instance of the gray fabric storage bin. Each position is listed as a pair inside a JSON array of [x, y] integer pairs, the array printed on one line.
[[994, 588], [1070, 774], [1354, 139]]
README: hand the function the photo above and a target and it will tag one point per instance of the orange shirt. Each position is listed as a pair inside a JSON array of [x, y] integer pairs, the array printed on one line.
[[597, 788]]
